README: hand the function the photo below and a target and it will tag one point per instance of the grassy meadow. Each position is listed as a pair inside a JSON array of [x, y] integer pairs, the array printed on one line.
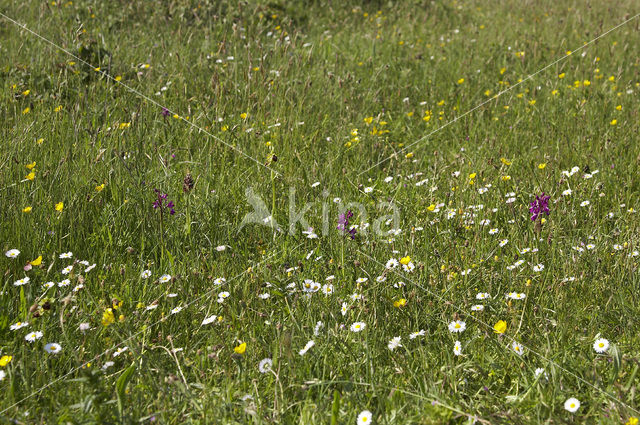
[[253, 212]]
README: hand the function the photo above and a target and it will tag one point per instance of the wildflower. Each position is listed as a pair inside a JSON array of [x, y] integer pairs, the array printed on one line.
[[601, 345], [392, 264], [343, 224], [59, 206], [52, 348], [37, 261], [66, 255], [394, 343], [240, 349], [517, 348], [84, 327], [632, 421], [33, 336], [18, 325], [265, 365], [572, 404], [477, 307], [358, 326], [364, 417], [500, 327], [400, 303], [457, 348], [22, 281], [145, 274], [457, 326], [538, 206], [414, 335], [164, 278], [482, 296], [344, 309], [405, 260], [5, 360], [307, 347], [108, 317], [12, 253]]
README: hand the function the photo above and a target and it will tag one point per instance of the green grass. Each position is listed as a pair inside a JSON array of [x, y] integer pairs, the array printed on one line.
[[309, 77]]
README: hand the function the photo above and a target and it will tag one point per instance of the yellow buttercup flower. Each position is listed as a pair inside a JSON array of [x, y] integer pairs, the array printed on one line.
[[30, 176], [240, 349], [31, 166], [541, 166], [632, 421], [26, 210], [505, 161], [100, 187], [37, 261], [4, 360], [405, 260], [500, 327], [59, 206], [400, 303]]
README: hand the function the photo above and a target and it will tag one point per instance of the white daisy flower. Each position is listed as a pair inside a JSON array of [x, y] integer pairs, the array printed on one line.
[[414, 335], [12, 253], [365, 418], [601, 345], [517, 348], [66, 255], [394, 343], [457, 348], [307, 347], [22, 281], [52, 348], [33, 336], [164, 278], [457, 326], [572, 404], [358, 326], [145, 274]]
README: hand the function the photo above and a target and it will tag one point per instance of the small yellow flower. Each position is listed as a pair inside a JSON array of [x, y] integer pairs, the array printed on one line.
[[240, 349], [124, 125], [541, 166], [118, 78], [107, 317], [31, 166], [243, 115], [26, 210], [57, 108], [619, 108], [405, 260], [500, 327], [543, 220], [121, 318], [409, 155], [100, 187], [632, 421], [614, 122], [400, 303], [431, 207], [26, 110], [368, 120], [39, 141], [59, 206], [461, 80], [26, 92], [561, 76], [505, 161], [37, 261], [30, 176], [568, 52], [4, 360], [505, 178]]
